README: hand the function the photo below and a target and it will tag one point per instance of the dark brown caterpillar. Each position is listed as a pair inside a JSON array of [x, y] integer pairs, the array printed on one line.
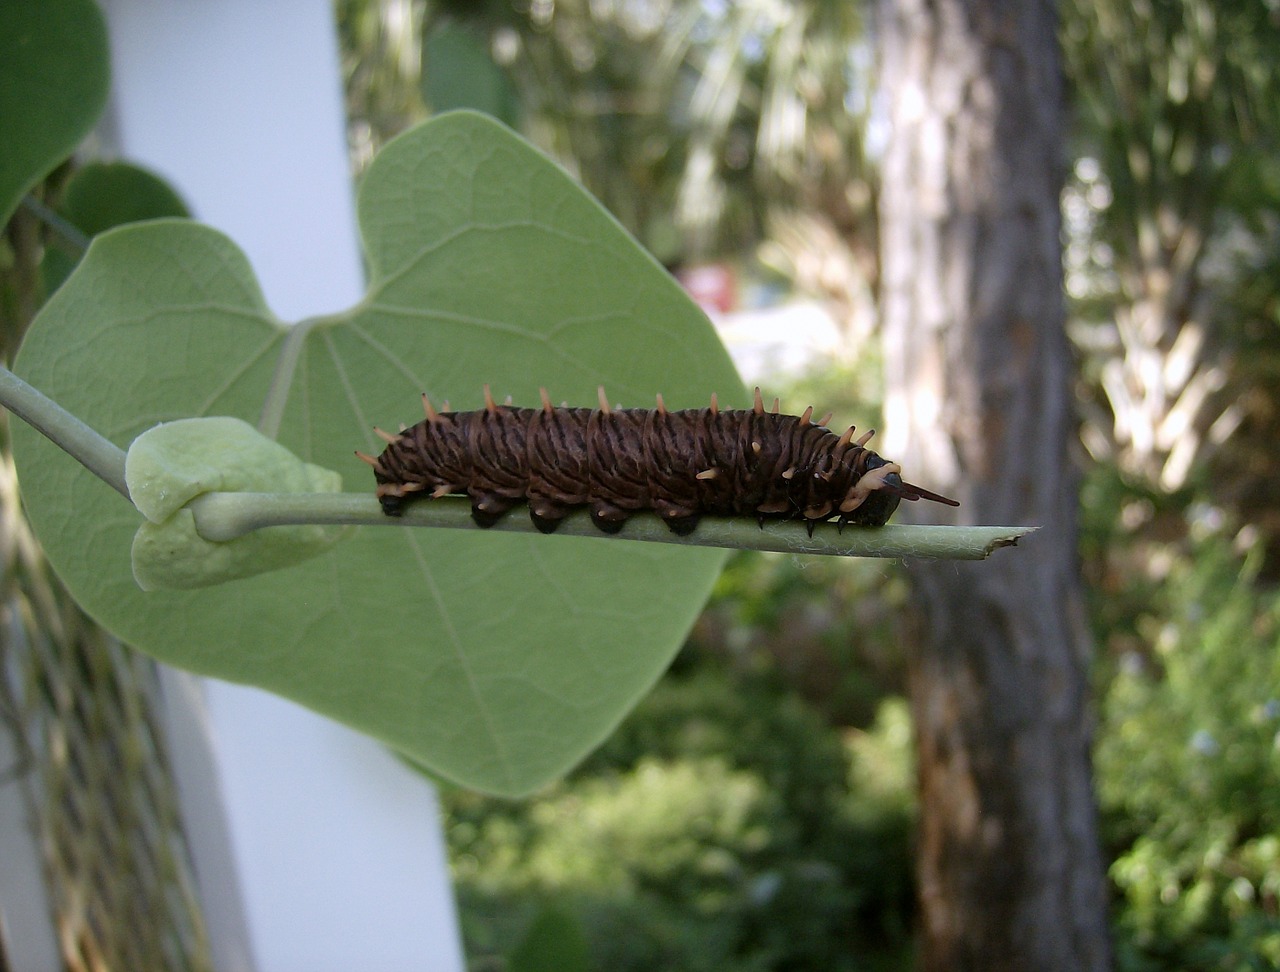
[[680, 464]]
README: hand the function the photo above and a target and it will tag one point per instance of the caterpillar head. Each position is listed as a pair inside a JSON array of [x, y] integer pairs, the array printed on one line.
[[872, 499]]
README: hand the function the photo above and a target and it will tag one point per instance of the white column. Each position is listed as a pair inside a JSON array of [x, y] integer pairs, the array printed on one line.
[[315, 848]]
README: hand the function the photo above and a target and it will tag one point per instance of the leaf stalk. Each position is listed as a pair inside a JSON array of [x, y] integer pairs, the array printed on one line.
[[224, 516], [99, 455]]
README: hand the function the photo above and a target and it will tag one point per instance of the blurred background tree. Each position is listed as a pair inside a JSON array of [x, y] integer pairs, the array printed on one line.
[[776, 755], [708, 129], [978, 400]]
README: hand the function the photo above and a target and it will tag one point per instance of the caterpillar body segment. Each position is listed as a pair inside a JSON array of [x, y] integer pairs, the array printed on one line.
[[681, 464]]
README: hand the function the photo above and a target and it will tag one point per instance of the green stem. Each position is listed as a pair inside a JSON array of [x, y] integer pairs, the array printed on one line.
[[71, 234], [100, 456], [282, 380], [225, 516]]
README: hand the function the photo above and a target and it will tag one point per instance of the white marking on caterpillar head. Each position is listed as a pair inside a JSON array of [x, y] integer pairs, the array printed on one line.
[[865, 486]]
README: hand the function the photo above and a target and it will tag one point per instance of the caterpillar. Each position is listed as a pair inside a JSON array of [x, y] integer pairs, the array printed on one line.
[[681, 464]]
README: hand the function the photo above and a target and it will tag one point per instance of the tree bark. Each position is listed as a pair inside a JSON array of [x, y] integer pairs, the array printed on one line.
[[978, 403]]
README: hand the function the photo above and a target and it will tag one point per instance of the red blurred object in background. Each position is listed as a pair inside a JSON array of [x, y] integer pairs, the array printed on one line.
[[713, 286]]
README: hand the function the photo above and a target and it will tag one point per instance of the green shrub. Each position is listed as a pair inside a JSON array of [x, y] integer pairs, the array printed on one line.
[[820, 627], [723, 827], [1188, 768]]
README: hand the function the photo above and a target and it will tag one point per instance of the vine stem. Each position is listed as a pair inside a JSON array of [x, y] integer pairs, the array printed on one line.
[[99, 455], [225, 516], [68, 231]]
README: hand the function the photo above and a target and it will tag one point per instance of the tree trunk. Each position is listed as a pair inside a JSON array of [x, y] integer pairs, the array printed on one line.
[[978, 403]]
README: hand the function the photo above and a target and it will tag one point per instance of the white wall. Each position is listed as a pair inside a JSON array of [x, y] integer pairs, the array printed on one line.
[[315, 849]]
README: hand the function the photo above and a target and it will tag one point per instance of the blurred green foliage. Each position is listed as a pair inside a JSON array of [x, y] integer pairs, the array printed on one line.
[[818, 627], [725, 826], [554, 942], [1188, 770], [737, 821]]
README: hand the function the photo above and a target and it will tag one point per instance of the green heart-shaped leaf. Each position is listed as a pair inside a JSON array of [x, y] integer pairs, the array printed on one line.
[[494, 660], [53, 84]]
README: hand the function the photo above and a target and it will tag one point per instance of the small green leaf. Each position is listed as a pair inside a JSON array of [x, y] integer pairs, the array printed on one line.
[[101, 196], [497, 661], [459, 72], [53, 85], [173, 463]]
